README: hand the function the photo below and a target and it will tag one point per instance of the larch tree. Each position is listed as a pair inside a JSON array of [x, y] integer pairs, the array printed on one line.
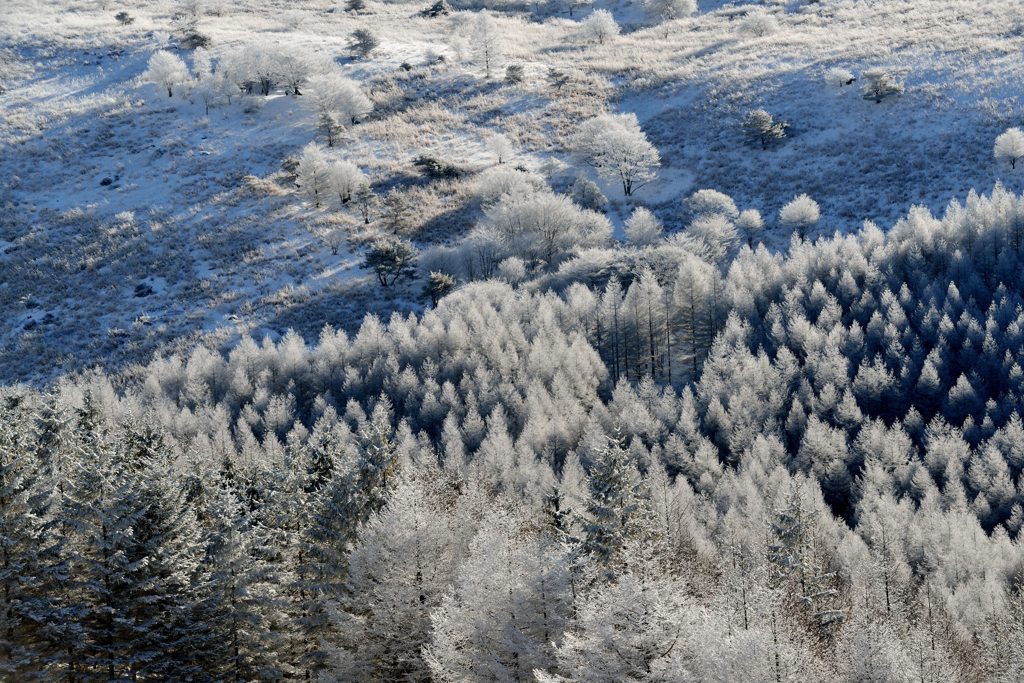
[[801, 214], [486, 42]]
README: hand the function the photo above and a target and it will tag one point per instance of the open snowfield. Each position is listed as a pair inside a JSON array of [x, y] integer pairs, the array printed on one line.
[[199, 230]]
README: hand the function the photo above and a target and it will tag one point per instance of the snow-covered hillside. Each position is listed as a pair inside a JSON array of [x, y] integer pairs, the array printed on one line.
[[133, 222]]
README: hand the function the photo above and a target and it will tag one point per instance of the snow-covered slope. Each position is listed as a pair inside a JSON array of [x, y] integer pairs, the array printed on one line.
[[131, 222]]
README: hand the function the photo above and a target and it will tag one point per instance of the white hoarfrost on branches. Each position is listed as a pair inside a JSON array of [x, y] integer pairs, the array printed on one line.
[[500, 146], [166, 70], [599, 27], [312, 174], [643, 228], [667, 10], [486, 42], [800, 214], [336, 103], [1010, 146], [615, 145], [759, 24], [712, 202]]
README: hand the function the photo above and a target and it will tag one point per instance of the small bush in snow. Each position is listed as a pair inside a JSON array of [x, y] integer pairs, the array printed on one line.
[[759, 24], [124, 18], [514, 73], [879, 85], [839, 77]]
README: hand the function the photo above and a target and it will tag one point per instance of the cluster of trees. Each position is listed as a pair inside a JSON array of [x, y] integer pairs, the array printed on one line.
[[335, 101], [802, 466]]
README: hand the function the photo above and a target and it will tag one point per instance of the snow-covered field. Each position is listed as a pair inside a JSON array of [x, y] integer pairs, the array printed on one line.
[[132, 222]]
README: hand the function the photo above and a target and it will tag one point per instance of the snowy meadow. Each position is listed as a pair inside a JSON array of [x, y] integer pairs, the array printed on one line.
[[512, 340]]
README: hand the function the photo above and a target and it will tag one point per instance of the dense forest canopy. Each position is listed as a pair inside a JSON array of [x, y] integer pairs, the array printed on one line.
[[686, 459]]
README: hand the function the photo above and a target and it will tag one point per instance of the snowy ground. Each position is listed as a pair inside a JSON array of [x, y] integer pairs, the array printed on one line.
[[131, 222]]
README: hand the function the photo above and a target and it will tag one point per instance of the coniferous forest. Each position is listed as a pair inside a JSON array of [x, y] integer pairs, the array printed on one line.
[[804, 467], [511, 341]]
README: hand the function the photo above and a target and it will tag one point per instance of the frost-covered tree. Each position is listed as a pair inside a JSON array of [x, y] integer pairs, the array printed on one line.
[[390, 259], [599, 27], [1010, 146], [500, 146], [586, 193], [800, 214], [362, 42], [345, 180], [643, 228], [166, 70], [762, 127], [486, 42], [667, 10], [706, 202], [337, 103], [313, 174], [750, 225], [615, 145]]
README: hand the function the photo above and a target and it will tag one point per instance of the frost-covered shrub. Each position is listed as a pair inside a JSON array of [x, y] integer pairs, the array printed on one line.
[[839, 77], [759, 24], [503, 181], [880, 84], [587, 194]]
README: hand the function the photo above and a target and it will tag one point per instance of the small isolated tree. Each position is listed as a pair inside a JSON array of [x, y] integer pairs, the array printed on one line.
[[166, 70], [759, 24], [839, 77], [390, 258], [515, 73], [750, 224], [438, 285], [366, 200], [879, 84], [355, 6], [486, 42], [800, 214], [615, 145], [334, 239], [345, 180], [557, 78], [124, 18], [313, 174], [643, 228], [1010, 146], [362, 43], [500, 147], [667, 10], [761, 127], [599, 27]]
